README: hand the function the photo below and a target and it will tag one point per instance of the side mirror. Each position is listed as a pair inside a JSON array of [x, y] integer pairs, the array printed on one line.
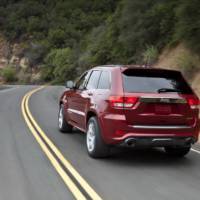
[[69, 84]]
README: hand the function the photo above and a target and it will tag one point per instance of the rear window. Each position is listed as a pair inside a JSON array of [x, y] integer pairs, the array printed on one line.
[[152, 81]]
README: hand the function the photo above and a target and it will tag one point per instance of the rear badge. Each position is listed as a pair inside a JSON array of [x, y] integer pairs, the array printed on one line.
[[164, 100]]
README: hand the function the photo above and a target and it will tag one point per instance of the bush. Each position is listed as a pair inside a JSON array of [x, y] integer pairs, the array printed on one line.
[[150, 56], [9, 74], [47, 73]]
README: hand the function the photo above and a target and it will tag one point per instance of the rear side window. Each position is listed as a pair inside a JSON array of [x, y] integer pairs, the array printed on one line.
[[93, 80], [104, 81], [154, 81]]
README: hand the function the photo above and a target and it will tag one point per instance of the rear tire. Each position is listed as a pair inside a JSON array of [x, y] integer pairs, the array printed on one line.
[[63, 126], [177, 151], [96, 147]]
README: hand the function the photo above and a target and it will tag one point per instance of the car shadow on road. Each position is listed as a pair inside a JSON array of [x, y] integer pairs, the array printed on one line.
[[150, 157], [123, 156]]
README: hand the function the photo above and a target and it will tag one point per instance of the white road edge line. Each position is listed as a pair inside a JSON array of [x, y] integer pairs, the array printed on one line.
[[9, 89], [194, 150]]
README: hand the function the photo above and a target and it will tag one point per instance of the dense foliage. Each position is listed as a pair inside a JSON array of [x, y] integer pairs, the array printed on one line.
[[67, 37]]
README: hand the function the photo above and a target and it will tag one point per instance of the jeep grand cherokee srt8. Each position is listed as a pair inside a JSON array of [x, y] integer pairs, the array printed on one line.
[[139, 107]]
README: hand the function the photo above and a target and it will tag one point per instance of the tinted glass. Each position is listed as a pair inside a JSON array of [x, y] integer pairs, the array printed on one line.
[[104, 81], [82, 81], [144, 80], [93, 81]]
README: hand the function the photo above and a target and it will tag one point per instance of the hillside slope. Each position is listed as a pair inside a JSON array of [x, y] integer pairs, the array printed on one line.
[[181, 58], [60, 39]]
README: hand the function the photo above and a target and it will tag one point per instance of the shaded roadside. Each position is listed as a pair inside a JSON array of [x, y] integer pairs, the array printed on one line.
[[3, 87]]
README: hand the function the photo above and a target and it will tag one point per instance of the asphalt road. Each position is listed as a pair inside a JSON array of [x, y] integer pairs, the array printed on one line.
[[26, 173]]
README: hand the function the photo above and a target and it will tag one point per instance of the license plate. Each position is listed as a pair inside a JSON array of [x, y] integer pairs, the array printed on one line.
[[163, 109]]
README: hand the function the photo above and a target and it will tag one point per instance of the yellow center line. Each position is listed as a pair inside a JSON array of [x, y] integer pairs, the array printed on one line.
[[72, 187], [65, 162]]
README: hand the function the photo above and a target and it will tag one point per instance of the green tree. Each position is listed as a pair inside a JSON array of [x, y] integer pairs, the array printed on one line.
[[61, 63]]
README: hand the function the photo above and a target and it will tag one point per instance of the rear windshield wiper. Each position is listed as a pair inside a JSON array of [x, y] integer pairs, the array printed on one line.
[[163, 90]]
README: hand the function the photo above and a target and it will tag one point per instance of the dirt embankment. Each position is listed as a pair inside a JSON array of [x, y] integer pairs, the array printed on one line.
[[18, 55], [10, 54], [180, 58]]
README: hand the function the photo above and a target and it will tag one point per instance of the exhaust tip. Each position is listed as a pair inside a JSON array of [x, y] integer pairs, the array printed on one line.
[[130, 142]]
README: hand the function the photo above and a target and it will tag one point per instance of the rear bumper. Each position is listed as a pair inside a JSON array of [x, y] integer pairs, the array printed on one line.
[[158, 141], [115, 130]]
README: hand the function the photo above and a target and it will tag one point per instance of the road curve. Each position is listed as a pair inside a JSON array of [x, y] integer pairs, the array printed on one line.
[[26, 173]]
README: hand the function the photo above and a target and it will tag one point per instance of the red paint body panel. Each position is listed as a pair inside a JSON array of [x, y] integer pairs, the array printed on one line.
[[118, 124]]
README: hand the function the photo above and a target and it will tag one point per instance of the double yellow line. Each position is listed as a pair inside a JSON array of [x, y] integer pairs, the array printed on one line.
[[80, 189]]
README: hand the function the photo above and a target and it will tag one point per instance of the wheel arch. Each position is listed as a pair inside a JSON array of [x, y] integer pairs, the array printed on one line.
[[60, 102], [90, 114]]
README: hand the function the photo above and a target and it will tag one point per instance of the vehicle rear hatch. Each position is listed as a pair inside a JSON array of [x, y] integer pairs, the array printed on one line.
[[163, 98]]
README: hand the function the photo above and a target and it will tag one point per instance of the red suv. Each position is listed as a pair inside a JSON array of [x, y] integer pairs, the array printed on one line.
[[138, 107]]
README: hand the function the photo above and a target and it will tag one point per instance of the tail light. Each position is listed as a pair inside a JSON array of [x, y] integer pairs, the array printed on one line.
[[193, 102], [123, 102]]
